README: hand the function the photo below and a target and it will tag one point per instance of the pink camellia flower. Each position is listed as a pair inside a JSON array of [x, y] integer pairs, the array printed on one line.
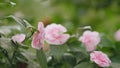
[[19, 38], [38, 37], [90, 39], [100, 58], [54, 34], [117, 35]]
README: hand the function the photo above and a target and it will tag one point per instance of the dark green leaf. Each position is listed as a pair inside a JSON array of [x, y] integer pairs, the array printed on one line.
[[58, 51]]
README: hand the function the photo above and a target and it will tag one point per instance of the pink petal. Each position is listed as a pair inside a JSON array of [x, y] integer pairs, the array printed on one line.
[[38, 37], [18, 38], [54, 34], [90, 39], [100, 58]]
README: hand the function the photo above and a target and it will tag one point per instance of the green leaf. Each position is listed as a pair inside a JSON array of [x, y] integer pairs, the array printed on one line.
[[76, 46], [18, 20], [70, 59], [117, 46], [58, 50], [105, 42], [5, 43], [27, 24], [22, 22], [66, 65], [84, 65], [42, 58]]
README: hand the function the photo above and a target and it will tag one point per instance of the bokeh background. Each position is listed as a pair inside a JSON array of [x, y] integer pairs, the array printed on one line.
[[102, 15]]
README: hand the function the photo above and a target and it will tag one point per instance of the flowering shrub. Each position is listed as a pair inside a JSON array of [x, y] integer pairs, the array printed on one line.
[[53, 47]]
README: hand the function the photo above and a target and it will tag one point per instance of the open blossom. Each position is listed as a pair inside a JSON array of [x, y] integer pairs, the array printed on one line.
[[54, 34], [100, 58], [19, 38], [90, 39], [38, 37], [117, 35]]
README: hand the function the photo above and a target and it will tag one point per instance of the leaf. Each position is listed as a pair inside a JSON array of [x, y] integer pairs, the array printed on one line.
[[80, 57], [27, 24], [5, 43], [28, 55], [42, 58], [18, 20], [22, 22], [117, 46], [70, 59], [105, 42], [84, 65], [115, 65], [5, 30], [58, 50], [115, 58], [66, 65], [76, 46]]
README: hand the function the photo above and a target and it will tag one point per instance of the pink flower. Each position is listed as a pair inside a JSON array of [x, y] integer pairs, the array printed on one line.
[[90, 39], [54, 34], [117, 35], [19, 38], [100, 58], [38, 37]]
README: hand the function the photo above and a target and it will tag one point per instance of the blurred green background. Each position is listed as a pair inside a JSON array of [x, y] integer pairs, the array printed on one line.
[[101, 15]]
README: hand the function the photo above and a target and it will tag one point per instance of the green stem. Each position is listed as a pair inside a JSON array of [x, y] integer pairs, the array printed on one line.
[[42, 58], [13, 56]]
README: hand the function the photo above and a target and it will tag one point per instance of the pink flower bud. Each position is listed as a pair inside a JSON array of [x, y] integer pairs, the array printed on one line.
[[117, 35], [100, 58], [54, 34], [18, 38], [90, 39], [38, 37]]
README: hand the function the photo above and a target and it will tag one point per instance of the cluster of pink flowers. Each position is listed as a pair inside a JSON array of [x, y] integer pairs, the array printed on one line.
[[91, 40], [52, 34], [55, 34]]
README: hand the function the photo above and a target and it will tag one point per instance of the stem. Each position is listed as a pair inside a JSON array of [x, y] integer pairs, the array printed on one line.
[[13, 55], [42, 58], [10, 62]]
